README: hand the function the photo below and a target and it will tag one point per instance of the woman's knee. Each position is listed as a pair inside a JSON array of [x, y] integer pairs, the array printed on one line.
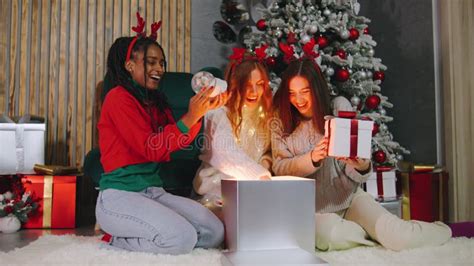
[[179, 240]]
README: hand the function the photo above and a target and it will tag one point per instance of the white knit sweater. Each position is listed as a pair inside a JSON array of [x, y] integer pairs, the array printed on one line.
[[225, 156], [336, 182]]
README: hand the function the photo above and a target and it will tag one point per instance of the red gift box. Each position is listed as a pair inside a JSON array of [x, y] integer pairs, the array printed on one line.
[[425, 194], [56, 199]]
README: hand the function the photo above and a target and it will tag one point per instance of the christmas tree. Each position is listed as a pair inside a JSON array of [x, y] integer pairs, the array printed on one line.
[[339, 40]]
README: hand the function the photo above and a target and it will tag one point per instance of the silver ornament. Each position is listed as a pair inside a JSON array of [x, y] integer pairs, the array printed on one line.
[[329, 71], [311, 9], [305, 38], [362, 74], [321, 19], [355, 100], [382, 111], [369, 74], [344, 34], [350, 71], [274, 7], [371, 52], [304, 18], [313, 28], [399, 157], [327, 12], [278, 33], [383, 127]]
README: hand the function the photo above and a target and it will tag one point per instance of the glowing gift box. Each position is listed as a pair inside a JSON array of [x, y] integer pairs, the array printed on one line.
[[22, 146], [269, 215], [348, 137], [382, 183]]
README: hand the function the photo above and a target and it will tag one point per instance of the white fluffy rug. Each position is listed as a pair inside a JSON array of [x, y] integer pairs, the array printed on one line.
[[76, 250]]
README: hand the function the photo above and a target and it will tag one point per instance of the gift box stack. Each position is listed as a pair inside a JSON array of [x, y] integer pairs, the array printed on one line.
[[425, 192], [382, 186], [64, 198]]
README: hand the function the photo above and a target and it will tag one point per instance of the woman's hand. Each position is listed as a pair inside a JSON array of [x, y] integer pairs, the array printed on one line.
[[201, 103], [320, 151], [264, 177]]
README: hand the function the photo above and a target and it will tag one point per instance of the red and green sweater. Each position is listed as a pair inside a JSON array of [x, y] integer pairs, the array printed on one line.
[[130, 150]]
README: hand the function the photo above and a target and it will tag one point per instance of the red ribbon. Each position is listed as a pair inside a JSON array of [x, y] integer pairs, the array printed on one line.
[[354, 137], [380, 184], [346, 114]]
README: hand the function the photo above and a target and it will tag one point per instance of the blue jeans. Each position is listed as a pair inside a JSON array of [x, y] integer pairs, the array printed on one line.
[[155, 221]]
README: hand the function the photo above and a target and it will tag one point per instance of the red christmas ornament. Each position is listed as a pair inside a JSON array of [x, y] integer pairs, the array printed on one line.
[[353, 34], [271, 61], [366, 30], [375, 130], [379, 75], [342, 75], [372, 102], [291, 38], [261, 24], [322, 42], [380, 156], [341, 53]]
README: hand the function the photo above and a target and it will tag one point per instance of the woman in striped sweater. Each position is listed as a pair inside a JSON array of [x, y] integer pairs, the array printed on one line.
[[346, 216]]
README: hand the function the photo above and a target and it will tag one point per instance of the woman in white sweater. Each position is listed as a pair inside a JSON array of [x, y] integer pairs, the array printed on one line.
[[236, 139], [346, 216]]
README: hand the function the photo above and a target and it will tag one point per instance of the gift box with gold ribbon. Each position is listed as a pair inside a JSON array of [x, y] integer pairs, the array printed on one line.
[[56, 198], [425, 192]]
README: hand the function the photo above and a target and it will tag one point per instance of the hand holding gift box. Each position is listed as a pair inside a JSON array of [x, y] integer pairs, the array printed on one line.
[[348, 137]]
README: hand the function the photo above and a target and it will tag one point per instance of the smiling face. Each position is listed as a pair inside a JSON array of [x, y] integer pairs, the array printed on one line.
[[150, 76], [254, 89], [300, 96]]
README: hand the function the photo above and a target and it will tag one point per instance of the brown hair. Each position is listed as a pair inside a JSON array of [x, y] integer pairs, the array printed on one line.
[[237, 75], [289, 115]]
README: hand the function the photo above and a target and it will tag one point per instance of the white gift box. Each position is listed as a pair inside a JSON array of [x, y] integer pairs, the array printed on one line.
[[349, 137], [269, 215], [22, 146], [385, 188]]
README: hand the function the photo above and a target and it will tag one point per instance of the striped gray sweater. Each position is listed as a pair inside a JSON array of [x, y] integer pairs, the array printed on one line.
[[336, 182]]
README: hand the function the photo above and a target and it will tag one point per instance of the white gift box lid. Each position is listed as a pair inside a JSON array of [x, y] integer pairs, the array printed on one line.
[[22, 145]]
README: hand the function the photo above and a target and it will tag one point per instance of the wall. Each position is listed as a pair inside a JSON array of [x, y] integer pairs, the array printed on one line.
[[53, 54]]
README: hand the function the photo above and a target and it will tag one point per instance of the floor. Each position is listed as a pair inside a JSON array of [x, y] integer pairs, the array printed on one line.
[[23, 237]]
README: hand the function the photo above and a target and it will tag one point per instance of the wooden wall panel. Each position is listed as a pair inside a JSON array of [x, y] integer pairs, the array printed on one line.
[[54, 54]]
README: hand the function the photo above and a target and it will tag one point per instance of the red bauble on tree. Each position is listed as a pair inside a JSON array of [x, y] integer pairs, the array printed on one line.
[[375, 130], [322, 42], [342, 75], [379, 75], [366, 30], [372, 102], [380, 156], [271, 61], [261, 24], [353, 34], [341, 53]]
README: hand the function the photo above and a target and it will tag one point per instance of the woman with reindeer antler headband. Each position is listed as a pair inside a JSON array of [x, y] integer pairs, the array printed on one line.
[[237, 139], [136, 134]]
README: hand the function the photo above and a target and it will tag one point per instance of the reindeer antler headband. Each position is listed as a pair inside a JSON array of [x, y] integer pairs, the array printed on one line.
[[140, 30]]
